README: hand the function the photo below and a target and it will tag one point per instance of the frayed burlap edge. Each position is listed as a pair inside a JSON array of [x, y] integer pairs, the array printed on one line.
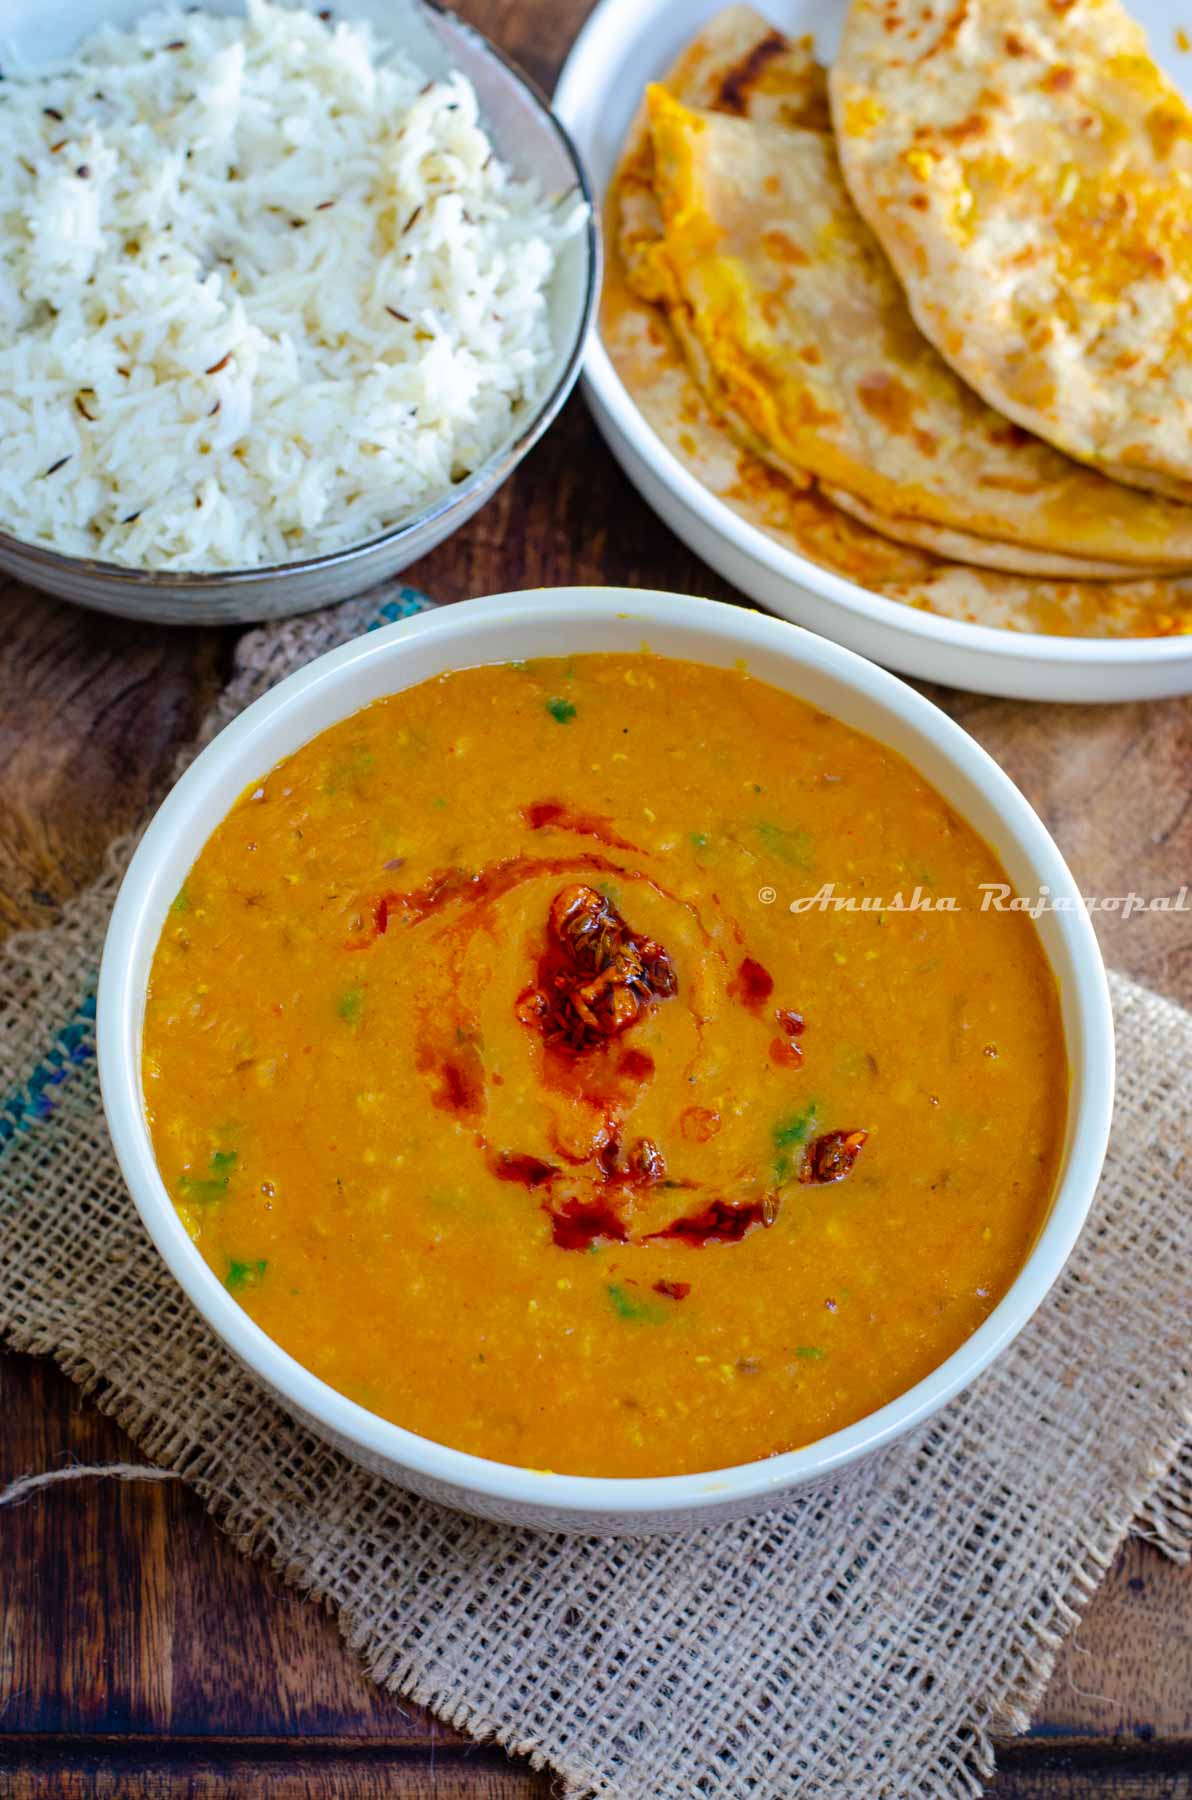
[[1165, 1518]]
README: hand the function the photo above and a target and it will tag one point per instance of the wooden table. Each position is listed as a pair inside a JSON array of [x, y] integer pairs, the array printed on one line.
[[140, 1655]]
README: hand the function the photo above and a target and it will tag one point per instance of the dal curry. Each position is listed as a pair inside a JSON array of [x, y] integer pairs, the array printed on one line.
[[490, 1068]]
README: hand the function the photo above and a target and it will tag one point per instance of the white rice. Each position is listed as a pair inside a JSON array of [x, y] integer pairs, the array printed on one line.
[[262, 293]]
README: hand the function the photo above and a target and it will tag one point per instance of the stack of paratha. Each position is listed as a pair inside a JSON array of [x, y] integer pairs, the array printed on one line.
[[807, 394], [1028, 170]]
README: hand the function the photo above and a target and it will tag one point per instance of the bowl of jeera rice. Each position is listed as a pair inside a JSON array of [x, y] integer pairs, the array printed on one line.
[[285, 296], [589, 1054]]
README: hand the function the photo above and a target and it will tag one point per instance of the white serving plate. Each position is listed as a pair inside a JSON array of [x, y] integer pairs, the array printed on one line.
[[561, 622], [627, 43]]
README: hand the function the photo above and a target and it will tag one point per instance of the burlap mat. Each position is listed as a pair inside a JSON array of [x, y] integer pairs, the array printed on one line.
[[862, 1643]]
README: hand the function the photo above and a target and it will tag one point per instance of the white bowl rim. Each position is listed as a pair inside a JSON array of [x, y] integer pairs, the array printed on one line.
[[120, 1005], [484, 479], [606, 24]]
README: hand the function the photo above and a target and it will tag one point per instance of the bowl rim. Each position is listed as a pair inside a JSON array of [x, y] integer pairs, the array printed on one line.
[[582, 82], [137, 919], [491, 473]]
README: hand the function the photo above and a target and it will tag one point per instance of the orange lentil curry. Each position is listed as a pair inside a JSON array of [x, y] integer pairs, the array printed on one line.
[[490, 1068]]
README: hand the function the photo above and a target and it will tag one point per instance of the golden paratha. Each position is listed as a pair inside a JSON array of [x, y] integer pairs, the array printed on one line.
[[655, 372], [1028, 170], [726, 59], [800, 335], [741, 65], [738, 64], [961, 546]]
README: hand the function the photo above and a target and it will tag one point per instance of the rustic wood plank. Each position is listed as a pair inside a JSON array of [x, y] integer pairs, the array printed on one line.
[[1088, 1769], [1111, 783], [84, 1606], [1126, 1673], [92, 711], [1053, 1782], [288, 1772], [536, 33], [282, 1770], [570, 518], [123, 1609]]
